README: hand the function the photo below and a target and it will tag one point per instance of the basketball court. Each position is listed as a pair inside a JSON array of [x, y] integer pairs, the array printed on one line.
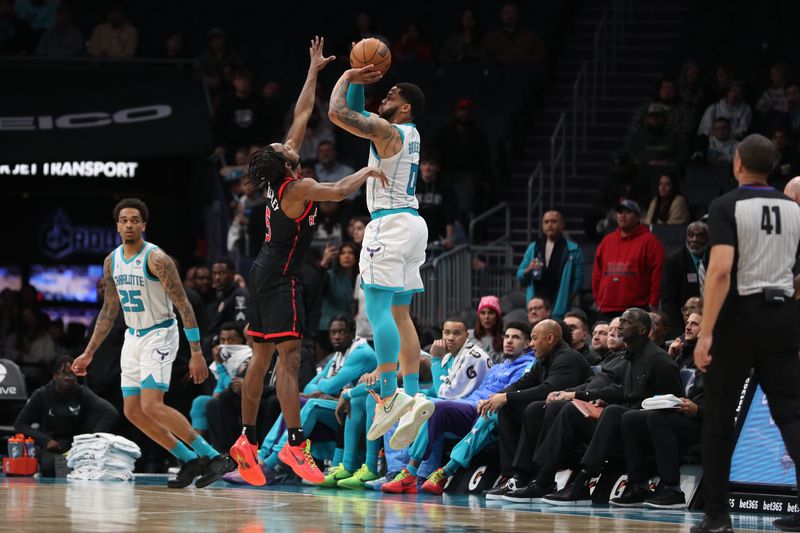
[[147, 505]]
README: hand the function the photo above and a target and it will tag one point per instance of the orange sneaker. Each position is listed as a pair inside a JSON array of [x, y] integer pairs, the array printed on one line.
[[299, 459], [435, 482], [404, 483], [246, 456]]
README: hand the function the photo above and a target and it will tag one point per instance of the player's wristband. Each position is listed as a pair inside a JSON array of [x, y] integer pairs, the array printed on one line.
[[192, 334]]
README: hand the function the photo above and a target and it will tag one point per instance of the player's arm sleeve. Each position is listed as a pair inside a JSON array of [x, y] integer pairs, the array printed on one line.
[[355, 98], [30, 415], [437, 372], [360, 361], [313, 385]]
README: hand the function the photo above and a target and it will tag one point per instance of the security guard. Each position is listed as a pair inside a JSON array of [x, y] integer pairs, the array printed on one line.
[[748, 316]]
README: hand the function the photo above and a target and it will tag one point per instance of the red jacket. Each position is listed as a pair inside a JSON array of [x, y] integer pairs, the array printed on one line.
[[627, 271]]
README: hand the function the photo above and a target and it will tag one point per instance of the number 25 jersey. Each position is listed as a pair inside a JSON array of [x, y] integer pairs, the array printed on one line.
[[142, 298]]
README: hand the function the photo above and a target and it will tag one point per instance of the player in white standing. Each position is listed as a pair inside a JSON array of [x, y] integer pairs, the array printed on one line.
[[142, 281], [394, 241]]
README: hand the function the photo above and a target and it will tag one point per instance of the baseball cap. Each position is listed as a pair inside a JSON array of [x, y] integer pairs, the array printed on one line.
[[630, 205]]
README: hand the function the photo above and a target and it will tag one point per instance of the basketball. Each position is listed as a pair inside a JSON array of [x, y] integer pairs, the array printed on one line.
[[371, 52]]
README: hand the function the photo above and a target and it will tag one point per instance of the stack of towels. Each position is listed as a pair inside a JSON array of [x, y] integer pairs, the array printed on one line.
[[102, 457]]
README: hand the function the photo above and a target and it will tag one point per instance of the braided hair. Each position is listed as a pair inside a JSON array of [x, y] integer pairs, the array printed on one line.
[[267, 167]]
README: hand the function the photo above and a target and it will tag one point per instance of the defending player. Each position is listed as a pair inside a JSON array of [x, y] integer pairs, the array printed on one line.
[[142, 280], [394, 240], [278, 314]]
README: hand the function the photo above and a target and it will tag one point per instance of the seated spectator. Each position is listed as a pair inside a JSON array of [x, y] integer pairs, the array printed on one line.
[[681, 350], [677, 116], [115, 38], [239, 119], [660, 329], [338, 282], [684, 274], [328, 168], [58, 411], [461, 418], [40, 14], [437, 200], [464, 154], [668, 207], [16, 36], [669, 433], [487, 331], [655, 144], [690, 90], [64, 39], [511, 43], [552, 266], [31, 347], [773, 99], [217, 55], [733, 107], [232, 303], [463, 45], [788, 164], [627, 265], [538, 309], [719, 86], [557, 367], [599, 342], [655, 374], [412, 47], [580, 333], [793, 108], [233, 173], [692, 305], [721, 145], [174, 46]]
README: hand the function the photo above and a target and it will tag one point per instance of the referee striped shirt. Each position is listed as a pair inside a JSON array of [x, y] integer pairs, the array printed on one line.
[[763, 226]]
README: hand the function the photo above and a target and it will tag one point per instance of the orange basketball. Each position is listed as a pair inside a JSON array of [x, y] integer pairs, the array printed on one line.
[[371, 52]]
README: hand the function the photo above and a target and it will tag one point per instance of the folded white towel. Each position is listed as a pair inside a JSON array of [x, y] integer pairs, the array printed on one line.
[[661, 401]]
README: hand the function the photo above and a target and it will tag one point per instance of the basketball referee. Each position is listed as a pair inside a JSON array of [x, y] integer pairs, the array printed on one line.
[[749, 316]]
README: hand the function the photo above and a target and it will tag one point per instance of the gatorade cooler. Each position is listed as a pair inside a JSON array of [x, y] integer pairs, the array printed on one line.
[[21, 460]]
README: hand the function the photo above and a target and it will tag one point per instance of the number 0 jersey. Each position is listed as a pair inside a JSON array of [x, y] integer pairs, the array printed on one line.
[[142, 298], [403, 171]]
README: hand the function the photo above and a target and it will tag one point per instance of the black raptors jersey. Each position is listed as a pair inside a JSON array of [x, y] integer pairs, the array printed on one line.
[[287, 239]]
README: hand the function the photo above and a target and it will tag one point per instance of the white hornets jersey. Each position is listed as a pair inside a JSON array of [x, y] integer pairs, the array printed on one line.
[[403, 172], [141, 296]]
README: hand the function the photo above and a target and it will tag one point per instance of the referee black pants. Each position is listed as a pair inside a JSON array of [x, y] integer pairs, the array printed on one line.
[[750, 333]]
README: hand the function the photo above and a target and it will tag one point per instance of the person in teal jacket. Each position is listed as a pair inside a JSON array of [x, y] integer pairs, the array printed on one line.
[[552, 267]]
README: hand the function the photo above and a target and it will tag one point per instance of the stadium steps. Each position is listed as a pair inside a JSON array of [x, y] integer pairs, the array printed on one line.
[[650, 38]]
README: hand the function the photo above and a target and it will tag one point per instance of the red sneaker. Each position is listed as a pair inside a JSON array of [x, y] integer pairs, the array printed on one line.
[[246, 456], [404, 483], [435, 482], [299, 459]]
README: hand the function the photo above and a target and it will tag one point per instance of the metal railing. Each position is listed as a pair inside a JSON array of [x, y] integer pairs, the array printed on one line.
[[599, 64], [580, 114], [558, 159], [448, 286], [535, 205], [494, 271], [485, 215]]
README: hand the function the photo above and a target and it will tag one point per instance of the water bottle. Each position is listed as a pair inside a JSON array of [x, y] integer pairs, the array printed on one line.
[[30, 447], [381, 463], [16, 446], [538, 267]]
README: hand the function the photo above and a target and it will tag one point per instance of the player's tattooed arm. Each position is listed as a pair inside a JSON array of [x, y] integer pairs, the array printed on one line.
[[164, 268], [383, 135], [109, 311]]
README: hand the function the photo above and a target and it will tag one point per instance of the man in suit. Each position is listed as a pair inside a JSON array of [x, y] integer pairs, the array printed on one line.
[[684, 274]]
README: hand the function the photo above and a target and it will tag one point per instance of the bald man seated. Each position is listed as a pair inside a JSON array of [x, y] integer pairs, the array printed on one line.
[[792, 189]]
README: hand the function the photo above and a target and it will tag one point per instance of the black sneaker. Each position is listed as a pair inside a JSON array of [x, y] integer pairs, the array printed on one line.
[[187, 473], [666, 499], [527, 494], [633, 496], [215, 469], [717, 524], [506, 485], [572, 494], [788, 523]]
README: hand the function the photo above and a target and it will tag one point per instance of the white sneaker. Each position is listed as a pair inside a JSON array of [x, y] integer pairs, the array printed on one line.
[[388, 411], [411, 422]]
